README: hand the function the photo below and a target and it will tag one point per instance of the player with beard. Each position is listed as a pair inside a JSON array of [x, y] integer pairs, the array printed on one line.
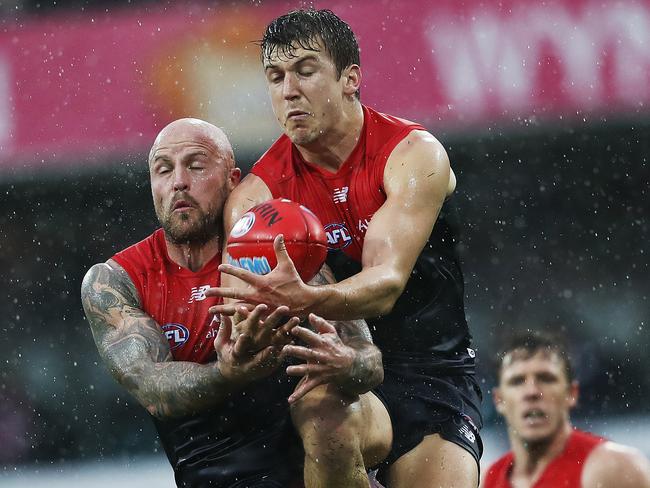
[[219, 403], [536, 392]]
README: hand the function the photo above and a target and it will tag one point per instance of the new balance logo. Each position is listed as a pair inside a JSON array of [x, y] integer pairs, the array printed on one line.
[[340, 195], [198, 293], [468, 433]]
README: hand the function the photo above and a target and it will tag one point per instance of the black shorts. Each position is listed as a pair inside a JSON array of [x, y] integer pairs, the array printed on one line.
[[247, 441], [421, 404], [271, 458]]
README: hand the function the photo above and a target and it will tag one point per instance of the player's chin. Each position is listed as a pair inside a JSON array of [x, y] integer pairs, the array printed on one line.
[[187, 230], [536, 436], [301, 135]]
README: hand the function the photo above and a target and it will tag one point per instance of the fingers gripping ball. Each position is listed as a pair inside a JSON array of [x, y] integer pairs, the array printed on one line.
[[250, 244]]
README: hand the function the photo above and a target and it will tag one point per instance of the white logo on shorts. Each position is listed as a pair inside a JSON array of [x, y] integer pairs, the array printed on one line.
[[469, 435]]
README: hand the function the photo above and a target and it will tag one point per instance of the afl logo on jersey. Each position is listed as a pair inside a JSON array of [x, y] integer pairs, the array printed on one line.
[[243, 225], [338, 236], [177, 334]]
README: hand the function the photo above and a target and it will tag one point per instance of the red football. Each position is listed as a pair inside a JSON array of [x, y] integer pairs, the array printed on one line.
[[250, 244]]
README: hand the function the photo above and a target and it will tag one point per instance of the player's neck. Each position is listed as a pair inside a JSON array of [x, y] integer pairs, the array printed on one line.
[[193, 256], [532, 459], [332, 149]]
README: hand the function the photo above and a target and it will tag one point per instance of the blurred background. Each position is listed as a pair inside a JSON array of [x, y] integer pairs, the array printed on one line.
[[542, 107]]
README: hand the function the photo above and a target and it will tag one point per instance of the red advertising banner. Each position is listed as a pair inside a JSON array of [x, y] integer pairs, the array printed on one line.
[[75, 89]]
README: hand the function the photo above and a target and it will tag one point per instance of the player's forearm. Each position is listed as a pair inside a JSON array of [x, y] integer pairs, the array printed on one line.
[[367, 370], [175, 388], [370, 293]]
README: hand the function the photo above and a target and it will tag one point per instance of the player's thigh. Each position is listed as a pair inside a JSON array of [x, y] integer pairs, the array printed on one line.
[[325, 410], [377, 431], [434, 463]]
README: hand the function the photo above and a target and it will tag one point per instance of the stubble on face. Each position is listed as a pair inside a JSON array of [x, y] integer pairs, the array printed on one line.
[[196, 226], [302, 136]]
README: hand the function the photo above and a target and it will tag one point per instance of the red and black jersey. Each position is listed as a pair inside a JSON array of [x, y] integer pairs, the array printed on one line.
[[427, 325], [175, 297], [565, 471], [249, 437], [344, 201]]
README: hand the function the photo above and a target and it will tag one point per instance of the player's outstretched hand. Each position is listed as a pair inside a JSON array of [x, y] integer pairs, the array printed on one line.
[[282, 286], [237, 359], [328, 359], [255, 329]]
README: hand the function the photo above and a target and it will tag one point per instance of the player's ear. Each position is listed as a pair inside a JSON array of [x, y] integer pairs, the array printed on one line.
[[234, 178], [497, 399], [351, 77]]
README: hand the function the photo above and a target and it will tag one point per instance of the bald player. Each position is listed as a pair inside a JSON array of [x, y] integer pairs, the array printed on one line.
[[219, 404]]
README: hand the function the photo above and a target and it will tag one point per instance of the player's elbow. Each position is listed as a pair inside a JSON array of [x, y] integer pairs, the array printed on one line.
[[392, 290], [378, 376], [133, 379]]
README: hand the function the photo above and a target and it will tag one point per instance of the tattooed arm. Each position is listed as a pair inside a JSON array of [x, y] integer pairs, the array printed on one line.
[[339, 352], [137, 353]]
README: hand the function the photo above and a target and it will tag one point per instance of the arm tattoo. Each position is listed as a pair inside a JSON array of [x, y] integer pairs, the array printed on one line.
[[367, 370], [137, 353]]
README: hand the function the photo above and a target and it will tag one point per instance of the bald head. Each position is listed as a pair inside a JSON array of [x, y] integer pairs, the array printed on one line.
[[189, 129], [192, 171]]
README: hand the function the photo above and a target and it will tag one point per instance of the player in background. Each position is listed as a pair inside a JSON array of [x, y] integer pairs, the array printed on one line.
[[379, 184], [535, 394], [219, 404]]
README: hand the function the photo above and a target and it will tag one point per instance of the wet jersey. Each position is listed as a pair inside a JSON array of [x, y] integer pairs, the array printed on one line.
[[427, 326], [249, 436], [563, 471], [175, 297]]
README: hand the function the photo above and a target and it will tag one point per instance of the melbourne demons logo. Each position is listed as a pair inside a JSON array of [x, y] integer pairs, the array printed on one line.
[[338, 236], [176, 334]]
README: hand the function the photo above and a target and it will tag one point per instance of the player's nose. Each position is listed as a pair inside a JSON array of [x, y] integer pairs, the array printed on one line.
[[181, 180], [532, 389], [290, 87]]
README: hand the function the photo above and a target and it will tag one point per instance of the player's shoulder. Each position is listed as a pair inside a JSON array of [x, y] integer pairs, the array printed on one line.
[[278, 154], [384, 119], [252, 191], [420, 141], [148, 253], [120, 271], [616, 465], [421, 156], [109, 275], [496, 471], [384, 132]]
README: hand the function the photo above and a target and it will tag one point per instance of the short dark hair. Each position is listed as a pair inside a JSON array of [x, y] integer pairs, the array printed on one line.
[[528, 343], [305, 28]]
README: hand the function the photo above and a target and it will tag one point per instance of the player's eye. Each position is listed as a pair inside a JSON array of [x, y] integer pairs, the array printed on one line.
[[547, 378]]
